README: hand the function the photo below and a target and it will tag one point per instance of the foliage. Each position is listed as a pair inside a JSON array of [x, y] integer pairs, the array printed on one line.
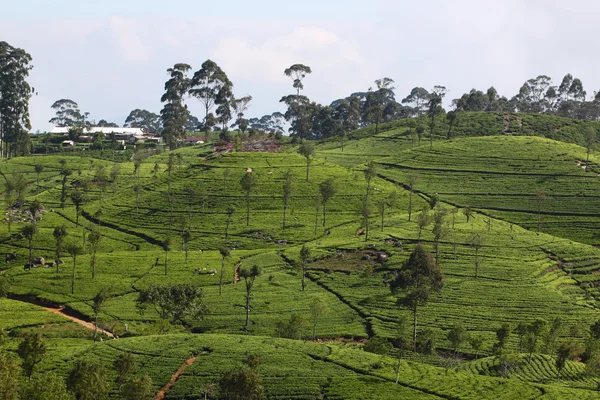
[[175, 302]]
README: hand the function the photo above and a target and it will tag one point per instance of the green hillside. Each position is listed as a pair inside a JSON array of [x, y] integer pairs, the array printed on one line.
[[142, 207]]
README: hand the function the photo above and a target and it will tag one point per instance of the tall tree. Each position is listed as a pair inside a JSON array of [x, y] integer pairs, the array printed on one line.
[[288, 191], [148, 121], [418, 99], [65, 172], [94, 239], [327, 190], [166, 245], [299, 114], [317, 309], [31, 350], [59, 233], [79, 198], [174, 114], [307, 150], [590, 141], [230, 211], [305, 257], [297, 72], [370, 173], [365, 210], [434, 107], [440, 230], [225, 254], [249, 275], [211, 86], [15, 93], [242, 384], [29, 231], [418, 277], [240, 106], [67, 113], [38, 168], [248, 184], [451, 118], [98, 303], [74, 249]]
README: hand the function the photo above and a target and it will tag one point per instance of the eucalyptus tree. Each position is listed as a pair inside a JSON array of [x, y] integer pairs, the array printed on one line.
[[307, 150], [590, 141], [305, 256], [166, 245], [15, 93], [299, 114], [365, 210], [248, 183], [38, 168], [385, 202], [98, 303], [94, 240], [297, 72], [79, 198], [186, 236], [240, 106], [74, 249], [249, 275], [370, 173], [211, 86], [29, 231], [225, 254], [327, 189], [434, 107], [174, 114], [59, 233], [229, 212], [317, 309]]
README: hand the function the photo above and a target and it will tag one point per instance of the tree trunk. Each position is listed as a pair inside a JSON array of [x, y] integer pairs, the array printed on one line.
[[315, 331], [398, 368], [284, 212], [316, 220], [367, 229], [303, 276], [95, 326], [94, 263], [382, 216], [437, 253], [324, 211], [186, 253], [227, 230], [410, 203]]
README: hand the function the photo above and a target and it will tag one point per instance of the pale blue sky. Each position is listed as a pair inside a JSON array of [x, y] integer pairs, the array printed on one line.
[[112, 56]]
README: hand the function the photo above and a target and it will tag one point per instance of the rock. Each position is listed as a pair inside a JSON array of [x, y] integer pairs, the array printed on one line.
[[365, 257], [382, 258]]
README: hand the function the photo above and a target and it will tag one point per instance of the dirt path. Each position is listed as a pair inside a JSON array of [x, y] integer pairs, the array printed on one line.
[[161, 395], [89, 325]]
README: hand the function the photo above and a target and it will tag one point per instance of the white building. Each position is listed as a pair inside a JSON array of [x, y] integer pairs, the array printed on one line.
[[130, 134]]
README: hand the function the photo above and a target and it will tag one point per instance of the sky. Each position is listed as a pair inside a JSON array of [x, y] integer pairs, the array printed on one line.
[[111, 56]]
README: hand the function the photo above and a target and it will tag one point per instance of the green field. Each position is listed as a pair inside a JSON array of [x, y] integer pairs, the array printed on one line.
[[523, 274]]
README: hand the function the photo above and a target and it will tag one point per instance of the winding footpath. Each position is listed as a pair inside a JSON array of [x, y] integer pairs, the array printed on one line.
[[161, 394], [89, 325]]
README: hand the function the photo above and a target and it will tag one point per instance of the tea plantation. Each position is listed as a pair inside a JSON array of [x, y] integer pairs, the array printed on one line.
[[516, 243]]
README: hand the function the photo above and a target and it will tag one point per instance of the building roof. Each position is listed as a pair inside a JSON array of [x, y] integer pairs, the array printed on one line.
[[105, 130]]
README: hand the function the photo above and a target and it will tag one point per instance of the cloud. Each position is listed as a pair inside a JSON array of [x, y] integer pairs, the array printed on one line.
[[264, 60], [128, 34]]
